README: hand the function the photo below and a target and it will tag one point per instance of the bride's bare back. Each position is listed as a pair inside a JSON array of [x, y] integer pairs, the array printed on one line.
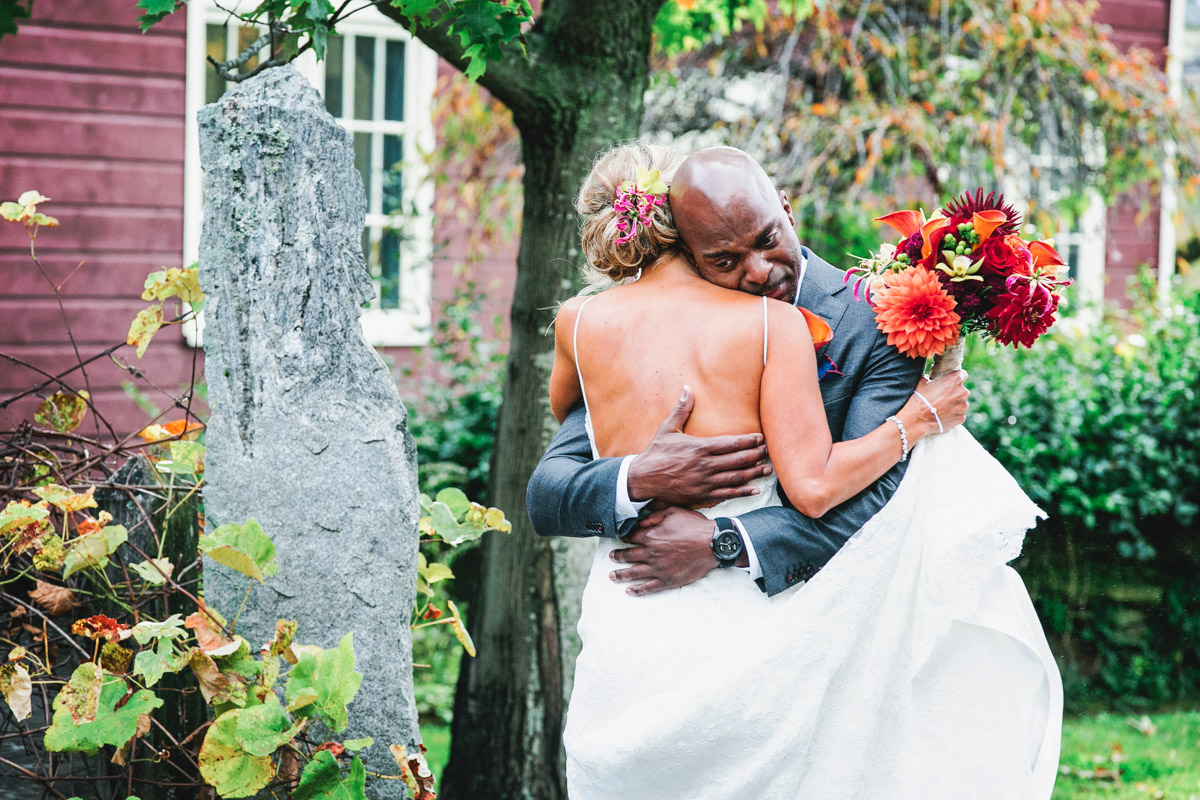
[[640, 344]]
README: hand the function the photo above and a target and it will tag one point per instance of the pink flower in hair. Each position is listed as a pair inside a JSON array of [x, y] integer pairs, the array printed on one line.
[[636, 201]]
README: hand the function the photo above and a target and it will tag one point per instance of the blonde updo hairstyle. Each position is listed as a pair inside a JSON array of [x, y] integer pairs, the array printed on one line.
[[608, 260]]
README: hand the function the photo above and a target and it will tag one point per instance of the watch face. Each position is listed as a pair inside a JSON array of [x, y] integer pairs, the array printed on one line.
[[727, 545]]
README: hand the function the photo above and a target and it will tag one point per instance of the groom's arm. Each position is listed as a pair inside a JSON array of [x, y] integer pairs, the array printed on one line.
[[570, 494], [791, 547]]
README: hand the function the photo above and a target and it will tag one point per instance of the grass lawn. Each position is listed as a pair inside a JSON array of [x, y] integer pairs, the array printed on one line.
[[437, 744], [1159, 759], [1103, 756]]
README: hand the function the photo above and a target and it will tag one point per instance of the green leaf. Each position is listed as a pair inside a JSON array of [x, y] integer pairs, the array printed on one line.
[[156, 11], [186, 458], [151, 665], [148, 630], [146, 570], [108, 724], [322, 778], [354, 745], [455, 499], [265, 728], [328, 678], [244, 548], [93, 550], [226, 766]]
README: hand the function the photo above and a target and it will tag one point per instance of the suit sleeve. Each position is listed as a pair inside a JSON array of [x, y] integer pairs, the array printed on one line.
[[791, 547], [569, 493]]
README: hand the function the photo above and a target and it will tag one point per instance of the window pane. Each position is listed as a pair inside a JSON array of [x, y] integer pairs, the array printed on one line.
[[389, 270], [393, 156], [393, 99], [214, 46], [364, 76], [362, 160], [334, 73]]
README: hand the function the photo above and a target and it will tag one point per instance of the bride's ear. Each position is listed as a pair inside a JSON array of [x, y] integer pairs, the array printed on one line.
[[787, 207]]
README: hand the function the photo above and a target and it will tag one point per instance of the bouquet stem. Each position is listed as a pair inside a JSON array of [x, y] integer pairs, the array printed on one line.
[[949, 359]]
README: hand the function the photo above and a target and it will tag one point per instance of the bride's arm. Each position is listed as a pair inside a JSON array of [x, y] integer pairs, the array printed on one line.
[[564, 377], [815, 473]]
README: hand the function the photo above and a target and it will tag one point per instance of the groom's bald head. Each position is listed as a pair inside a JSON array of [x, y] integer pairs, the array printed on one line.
[[735, 227]]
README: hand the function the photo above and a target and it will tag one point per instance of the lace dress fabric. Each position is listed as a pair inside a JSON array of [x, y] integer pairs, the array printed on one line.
[[911, 666]]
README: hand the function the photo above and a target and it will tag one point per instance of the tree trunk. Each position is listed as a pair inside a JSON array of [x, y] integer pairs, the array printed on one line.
[[511, 699]]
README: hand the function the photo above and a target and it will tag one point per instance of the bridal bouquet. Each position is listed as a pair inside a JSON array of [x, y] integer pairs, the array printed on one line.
[[963, 269]]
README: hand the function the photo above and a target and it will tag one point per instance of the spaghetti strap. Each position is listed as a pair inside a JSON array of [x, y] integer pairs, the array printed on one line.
[[575, 352], [764, 331]]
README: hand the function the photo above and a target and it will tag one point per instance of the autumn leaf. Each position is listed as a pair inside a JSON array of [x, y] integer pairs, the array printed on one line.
[[81, 696], [100, 626], [53, 599], [281, 642], [65, 499], [25, 210], [17, 690], [174, 282], [207, 624], [226, 766], [115, 659], [460, 629], [415, 772], [62, 411], [144, 326], [19, 514], [179, 428], [89, 525]]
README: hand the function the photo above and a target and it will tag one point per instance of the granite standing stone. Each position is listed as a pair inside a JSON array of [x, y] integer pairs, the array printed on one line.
[[308, 434]]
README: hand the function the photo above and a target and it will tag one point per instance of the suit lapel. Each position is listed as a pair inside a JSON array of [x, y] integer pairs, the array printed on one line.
[[822, 282]]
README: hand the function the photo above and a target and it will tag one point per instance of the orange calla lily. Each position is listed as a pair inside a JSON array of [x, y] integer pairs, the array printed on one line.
[[1044, 255], [819, 328], [930, 230], [906, 223], [985, 222]]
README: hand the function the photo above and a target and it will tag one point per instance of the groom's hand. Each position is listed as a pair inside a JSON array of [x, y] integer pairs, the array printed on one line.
[[672, 547], [685, 470]]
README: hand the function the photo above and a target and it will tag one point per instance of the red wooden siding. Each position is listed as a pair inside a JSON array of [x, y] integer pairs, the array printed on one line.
[[91, 114], [1132, 231]]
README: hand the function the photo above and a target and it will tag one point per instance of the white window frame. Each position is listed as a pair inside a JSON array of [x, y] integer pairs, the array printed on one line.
[[409, 325], [1092, 230]]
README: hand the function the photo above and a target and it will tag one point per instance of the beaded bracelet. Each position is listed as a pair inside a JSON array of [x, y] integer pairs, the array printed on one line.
[[903, 437], [932, 410]]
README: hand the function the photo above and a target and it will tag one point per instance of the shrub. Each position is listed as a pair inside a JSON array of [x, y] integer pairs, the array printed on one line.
[[1100, 424]]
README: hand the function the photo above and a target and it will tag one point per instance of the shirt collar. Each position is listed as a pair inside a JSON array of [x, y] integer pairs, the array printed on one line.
[[800, 279]]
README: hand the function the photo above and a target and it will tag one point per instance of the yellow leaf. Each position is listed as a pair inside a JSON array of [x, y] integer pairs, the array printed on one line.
[[144, 326], [460, 630]]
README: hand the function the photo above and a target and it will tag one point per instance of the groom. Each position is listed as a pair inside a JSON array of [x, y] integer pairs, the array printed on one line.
[[738, 232]]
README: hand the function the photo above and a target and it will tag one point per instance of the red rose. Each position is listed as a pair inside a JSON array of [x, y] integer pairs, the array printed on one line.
[[1004, 256]]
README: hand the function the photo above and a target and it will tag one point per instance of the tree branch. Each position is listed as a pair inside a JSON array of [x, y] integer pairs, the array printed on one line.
[[511, 80]]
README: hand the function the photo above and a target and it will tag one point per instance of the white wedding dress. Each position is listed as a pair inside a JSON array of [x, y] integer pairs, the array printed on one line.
[[911, 666]]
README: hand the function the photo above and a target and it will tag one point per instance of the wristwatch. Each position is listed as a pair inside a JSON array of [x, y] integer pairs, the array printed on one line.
[[727, 544]]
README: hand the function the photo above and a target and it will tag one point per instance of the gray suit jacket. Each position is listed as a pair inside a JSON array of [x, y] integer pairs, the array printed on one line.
[[570, 494]]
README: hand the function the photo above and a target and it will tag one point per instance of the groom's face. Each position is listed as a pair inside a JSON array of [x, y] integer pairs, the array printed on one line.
[[741, 236]]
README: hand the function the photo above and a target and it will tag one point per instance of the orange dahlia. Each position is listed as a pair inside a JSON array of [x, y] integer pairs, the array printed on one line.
[[916, 313]]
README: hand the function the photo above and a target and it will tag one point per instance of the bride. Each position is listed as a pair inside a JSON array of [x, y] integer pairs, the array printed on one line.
[[911, 666]]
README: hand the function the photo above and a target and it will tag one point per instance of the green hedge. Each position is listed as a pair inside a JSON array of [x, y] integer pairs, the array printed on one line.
[[1100, 424]]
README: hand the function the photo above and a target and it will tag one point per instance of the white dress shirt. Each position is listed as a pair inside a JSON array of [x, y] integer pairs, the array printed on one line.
[[627, 508]]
